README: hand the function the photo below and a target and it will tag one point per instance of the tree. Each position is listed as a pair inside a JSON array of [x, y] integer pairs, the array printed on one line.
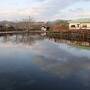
[[59, 25], [28, 23]]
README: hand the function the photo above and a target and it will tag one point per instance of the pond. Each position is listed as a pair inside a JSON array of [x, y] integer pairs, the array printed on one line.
[[33, 62]]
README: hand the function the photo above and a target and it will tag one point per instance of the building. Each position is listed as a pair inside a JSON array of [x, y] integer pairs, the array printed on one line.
[[79, 24], [43, 28]]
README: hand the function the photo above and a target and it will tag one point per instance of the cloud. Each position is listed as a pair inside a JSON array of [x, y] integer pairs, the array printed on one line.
[[53, 9], [43, 9], [78, 10]]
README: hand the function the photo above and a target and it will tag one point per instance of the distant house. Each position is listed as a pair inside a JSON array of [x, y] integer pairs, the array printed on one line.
[[79, 24], [43, 28]]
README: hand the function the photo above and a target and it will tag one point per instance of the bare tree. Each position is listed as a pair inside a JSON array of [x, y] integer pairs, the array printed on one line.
[[28, 23]]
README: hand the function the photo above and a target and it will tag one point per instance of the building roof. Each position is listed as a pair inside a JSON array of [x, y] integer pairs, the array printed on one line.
[[84, 20]]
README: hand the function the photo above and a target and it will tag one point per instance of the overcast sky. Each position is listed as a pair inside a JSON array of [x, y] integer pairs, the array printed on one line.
[[44, 9]]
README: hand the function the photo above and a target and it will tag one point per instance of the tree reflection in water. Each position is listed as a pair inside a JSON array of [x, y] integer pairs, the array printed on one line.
[[30, 62]]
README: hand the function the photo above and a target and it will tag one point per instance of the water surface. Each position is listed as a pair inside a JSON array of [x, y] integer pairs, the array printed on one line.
[[33, 62]]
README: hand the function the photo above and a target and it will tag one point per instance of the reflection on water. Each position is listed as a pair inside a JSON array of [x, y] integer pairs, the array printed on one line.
[[30, 62]]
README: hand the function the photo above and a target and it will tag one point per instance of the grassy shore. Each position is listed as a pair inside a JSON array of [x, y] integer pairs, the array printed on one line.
[[83, 47], [58, 36]]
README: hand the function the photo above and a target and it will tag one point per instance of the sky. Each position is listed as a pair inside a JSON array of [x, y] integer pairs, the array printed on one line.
[[44, 10]]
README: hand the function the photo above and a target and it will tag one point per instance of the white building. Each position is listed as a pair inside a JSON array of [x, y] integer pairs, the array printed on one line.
[[79, 24], [43, 28]]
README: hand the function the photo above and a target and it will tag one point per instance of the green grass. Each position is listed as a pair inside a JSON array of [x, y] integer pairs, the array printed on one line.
[[84, 47]]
